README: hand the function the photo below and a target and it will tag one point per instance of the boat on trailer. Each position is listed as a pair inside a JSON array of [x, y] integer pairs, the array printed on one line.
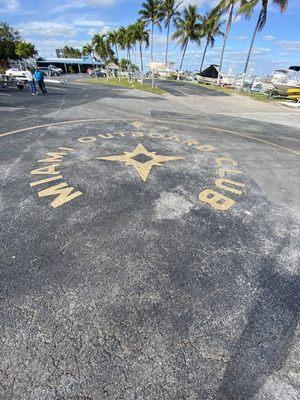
[[285, 79], [163, 70]]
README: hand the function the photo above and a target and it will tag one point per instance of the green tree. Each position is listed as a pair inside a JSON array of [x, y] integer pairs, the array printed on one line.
[[211, 25], [12, 46], [126, 39], [125, 65], [142, 37], [88, 49], [102, 48], [113, 39], [152, 14], [189, 29], [70, 52], [171, 13], [247, 8], [122, 32], [25, 49], [226, 6]]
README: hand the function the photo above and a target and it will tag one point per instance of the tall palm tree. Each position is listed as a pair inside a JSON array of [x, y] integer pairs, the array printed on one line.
[[129, 43], [226, 6], [88, 49], [112, 37], [171, 13], [247, 8], [151, 13], [102, 47], [211, 24], [126, 40], [98, 42], [188, 30], [142, 37]]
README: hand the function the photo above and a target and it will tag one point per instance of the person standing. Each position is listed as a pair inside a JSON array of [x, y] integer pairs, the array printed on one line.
[[30, 80], [39, 77]]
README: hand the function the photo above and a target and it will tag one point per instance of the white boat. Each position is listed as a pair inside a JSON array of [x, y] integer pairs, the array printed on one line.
[[164, 70], [16, 73], [285, 79]]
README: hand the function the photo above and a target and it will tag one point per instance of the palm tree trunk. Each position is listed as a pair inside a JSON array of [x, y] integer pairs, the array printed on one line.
[[129, 57], [128, 64], [228, 27], [142, 67], [152, 35], [181, 63], [204, 54], [167, 48], [251, 47]]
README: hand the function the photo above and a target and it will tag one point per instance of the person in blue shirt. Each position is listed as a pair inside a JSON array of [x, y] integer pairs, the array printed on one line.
[[39, 77]]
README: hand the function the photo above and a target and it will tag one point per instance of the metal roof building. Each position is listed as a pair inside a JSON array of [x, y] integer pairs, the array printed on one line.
[[70, 64]]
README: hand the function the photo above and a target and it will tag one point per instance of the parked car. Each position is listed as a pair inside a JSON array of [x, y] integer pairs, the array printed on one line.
[[45, 70], [15, 72], [49, 71], [55, 70], [97, 72]]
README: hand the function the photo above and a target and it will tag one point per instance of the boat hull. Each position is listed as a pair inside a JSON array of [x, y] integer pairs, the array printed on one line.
[[282, 89]]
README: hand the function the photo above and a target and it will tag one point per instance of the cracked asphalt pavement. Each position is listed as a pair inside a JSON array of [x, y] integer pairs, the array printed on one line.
[[149, 250]]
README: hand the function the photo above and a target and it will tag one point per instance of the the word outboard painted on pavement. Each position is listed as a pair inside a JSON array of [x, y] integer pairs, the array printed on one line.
[[222, 194]]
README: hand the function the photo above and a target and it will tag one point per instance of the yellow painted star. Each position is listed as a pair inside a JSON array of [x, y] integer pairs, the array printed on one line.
[[143, 168]]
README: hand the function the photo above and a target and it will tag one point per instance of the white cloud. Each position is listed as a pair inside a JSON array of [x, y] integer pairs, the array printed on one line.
[[88, 22], [269, 37], [9, 5], [242, 37], [83, 3], [289, 45], [93, 31], [47, 28], [200, 3], [96, 3], [46, 48]]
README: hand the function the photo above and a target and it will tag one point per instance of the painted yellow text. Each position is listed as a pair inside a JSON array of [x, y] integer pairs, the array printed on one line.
[[62, 192]]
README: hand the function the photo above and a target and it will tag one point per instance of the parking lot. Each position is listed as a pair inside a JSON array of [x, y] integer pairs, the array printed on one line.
[[150, 246]]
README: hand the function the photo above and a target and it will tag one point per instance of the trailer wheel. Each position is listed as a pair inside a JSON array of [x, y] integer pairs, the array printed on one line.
[[20, 86]]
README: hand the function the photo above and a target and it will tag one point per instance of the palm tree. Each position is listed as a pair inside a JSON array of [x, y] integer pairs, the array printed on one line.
[[151, 13], [247, 8], [224, 7], [98, 42], [129, 41], [102, 47], [141, 36], [126, 41], [211, 28], [88, 49], [188, 30], [171, 13], [113, 39]]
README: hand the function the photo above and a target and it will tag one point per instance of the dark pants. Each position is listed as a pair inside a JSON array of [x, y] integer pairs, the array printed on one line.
[[42, 86], [32, 87]]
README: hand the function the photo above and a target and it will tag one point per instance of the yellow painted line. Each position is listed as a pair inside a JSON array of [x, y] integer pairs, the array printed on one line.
[[155, 120], [254, 138], [55, 123]]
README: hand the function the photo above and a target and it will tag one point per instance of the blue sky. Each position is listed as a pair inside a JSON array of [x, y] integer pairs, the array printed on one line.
[[51, 24]]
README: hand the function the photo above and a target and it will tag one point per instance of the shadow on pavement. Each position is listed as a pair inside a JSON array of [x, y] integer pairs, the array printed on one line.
[[265, 341]]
